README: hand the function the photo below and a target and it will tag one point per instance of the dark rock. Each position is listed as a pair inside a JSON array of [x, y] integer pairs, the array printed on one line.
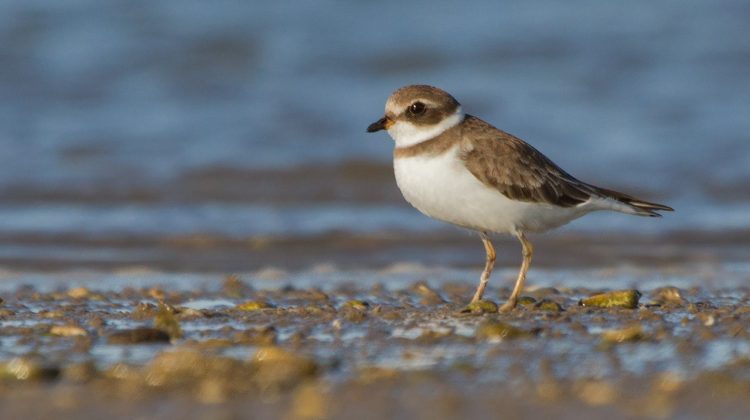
[[138, 336]]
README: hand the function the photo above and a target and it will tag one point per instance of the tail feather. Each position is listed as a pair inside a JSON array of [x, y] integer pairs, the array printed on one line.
[[638, 206]]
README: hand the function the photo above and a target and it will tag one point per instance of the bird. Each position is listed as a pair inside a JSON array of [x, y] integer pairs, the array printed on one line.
[[459, 169]]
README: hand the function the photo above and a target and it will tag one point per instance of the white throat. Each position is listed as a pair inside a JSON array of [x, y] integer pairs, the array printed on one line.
[[406, 134]]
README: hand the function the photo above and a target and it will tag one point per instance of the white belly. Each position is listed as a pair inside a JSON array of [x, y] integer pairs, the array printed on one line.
[[442, 188]]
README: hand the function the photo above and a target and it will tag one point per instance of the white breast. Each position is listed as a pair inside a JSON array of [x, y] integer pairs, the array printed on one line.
[[442, 188]]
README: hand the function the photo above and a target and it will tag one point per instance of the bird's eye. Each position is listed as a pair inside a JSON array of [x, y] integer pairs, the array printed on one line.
[[417, 108]]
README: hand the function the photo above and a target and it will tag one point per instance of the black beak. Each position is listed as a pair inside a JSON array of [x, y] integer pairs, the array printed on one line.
[[381, 124]]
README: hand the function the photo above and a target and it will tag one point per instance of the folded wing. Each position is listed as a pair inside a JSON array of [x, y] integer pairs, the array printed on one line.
[[520, 172]]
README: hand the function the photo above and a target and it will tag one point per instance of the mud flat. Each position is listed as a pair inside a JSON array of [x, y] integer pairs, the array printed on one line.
[[395, 342]]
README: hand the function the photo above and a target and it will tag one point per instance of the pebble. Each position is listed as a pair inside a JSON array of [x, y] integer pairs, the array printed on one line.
[[617, 299], [138, 336], [27, 368], [548, 305], [67, 331], [277, 368], [79, 293], [497, 331], [620, 335], [480, 307], [254, 305]]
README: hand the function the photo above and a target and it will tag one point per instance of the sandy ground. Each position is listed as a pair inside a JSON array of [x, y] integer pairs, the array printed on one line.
[[392, 342]]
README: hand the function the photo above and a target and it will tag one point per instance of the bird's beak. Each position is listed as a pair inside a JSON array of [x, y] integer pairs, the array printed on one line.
[[381, 124]]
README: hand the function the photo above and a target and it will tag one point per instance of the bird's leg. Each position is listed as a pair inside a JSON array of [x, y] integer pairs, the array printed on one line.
[[489, 263], [528, 251]]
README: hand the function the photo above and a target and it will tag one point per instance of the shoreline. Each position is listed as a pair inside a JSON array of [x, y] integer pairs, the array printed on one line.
[[203, 253]]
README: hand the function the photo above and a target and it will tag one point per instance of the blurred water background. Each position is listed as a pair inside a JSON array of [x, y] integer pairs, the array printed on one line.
[[125, 123]]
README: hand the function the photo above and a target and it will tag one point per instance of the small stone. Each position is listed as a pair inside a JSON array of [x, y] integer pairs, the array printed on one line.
[[254, 305], [356, 304], [432, 336], [549, 390], [526, 301], [597, 393], [234, 287], [309, 402], [428, 294], [278, 369], [707, 319], [668, 382], [55, 313], [138, 336], [212, 391], [621, 335], [67, 331], [27, 368], [156, 293], [548, 305], [355, 310], [619, 299], [79, 293], [190, 313], [480, 307], [668, 296], [183, 367], [80, 372], [144, 310], [497, 331], [166, 321], [265, 336]]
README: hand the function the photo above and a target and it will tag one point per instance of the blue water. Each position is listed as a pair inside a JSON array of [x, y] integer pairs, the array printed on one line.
[[102, 98]]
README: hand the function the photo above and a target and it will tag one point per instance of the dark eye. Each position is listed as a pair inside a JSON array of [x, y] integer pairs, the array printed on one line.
[[417, 108]]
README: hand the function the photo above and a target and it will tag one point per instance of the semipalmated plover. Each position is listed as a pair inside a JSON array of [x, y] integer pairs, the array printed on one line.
[[459, 169]]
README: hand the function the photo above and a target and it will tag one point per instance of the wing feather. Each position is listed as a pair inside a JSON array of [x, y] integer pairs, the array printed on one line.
[[516, 169]]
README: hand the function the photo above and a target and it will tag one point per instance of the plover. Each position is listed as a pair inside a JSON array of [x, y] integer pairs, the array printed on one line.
[[459, 169]]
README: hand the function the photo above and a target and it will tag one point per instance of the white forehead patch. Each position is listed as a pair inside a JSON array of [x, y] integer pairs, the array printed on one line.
[[406, 134]]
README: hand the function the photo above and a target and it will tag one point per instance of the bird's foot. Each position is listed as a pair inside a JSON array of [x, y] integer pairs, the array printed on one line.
[[508, 306]]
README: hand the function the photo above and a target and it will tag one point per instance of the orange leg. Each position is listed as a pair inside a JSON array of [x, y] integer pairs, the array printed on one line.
[[488, 265], [528, 251]]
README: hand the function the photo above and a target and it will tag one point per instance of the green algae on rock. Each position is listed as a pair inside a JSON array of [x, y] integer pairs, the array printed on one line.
[[356, 304], [618, 299], [548, 305], [480, 307], [355, 310], [526, 301], [254, 305]]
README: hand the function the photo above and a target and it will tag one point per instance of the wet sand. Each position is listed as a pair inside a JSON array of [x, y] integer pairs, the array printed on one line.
[[391, 342], [453, 247]]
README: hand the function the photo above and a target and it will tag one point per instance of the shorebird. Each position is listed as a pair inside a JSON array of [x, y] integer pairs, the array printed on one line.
[[455, 167]]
